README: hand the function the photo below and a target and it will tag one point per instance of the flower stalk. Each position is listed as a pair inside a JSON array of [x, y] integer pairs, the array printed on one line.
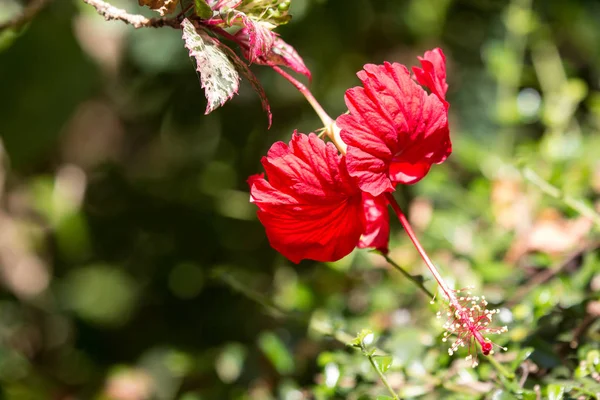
[[382, 377], [418, 282], [331, 129], [468, 315]]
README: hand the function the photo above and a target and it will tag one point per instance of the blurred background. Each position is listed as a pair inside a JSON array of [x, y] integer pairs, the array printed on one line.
[[132, 265]]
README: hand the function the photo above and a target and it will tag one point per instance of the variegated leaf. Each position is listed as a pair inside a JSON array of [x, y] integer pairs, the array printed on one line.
[[218, 75]]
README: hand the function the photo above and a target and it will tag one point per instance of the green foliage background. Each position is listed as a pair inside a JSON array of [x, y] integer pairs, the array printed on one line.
[[133, 266]]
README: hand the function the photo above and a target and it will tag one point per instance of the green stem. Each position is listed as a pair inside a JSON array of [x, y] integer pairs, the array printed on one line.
[[252, 294], [500, 368], [515, 42], [382, 377], [327, 330], [319, 326], [413, 238], [553, 191], [410, 277]]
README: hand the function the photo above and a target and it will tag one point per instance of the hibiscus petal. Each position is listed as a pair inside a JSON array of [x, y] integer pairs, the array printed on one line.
[[433, 74], [310, 206], [377, 224], [391, 120], [370, 171], [406, 173]]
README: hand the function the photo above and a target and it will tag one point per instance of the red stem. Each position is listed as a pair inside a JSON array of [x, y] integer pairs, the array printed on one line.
[[325, 118], [411, 234]]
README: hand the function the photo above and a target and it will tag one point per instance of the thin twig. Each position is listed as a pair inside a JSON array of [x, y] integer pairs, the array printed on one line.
[[382, 377], [500, 368], [570, 201], [274, 309], [253, 295], [515, 44], [27, 15], [432, 268], [412, 278], [112, 13], [325, 118]]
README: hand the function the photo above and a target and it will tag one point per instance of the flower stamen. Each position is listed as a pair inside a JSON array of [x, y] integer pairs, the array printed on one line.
[[469, 320]]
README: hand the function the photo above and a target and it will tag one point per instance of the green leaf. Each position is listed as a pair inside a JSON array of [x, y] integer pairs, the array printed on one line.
[[276, 352], [325, 358], [203, 10], [503, 395], [522, 355], [360, 338], [218, 75], [384, 398], [383, 362], [274, 12], [7, 37], [230, 362], [529, 395], [589, 384], [555, 392]]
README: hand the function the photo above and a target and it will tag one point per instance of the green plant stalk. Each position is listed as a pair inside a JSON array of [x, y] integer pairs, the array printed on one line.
[[553, 80], [275, 310], [515, 42], [327, 330], [411, 278], [252, 294], [330, 128], [503, 371], [379, 372], [553, 191]]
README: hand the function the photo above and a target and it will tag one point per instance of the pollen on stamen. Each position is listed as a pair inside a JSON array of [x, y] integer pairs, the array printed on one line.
[[468, 319]]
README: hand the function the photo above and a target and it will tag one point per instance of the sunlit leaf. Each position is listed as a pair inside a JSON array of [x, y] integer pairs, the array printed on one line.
[[218, 75], [522, 355], [365, 336], [503, 395], [202, 9], [101, 294], [556, 392], [383, 362], [230, 362], [276, 352], [272, 12]]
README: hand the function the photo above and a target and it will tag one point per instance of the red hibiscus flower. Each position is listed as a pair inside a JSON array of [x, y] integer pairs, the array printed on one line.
[[310, 206], [395, 131]]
